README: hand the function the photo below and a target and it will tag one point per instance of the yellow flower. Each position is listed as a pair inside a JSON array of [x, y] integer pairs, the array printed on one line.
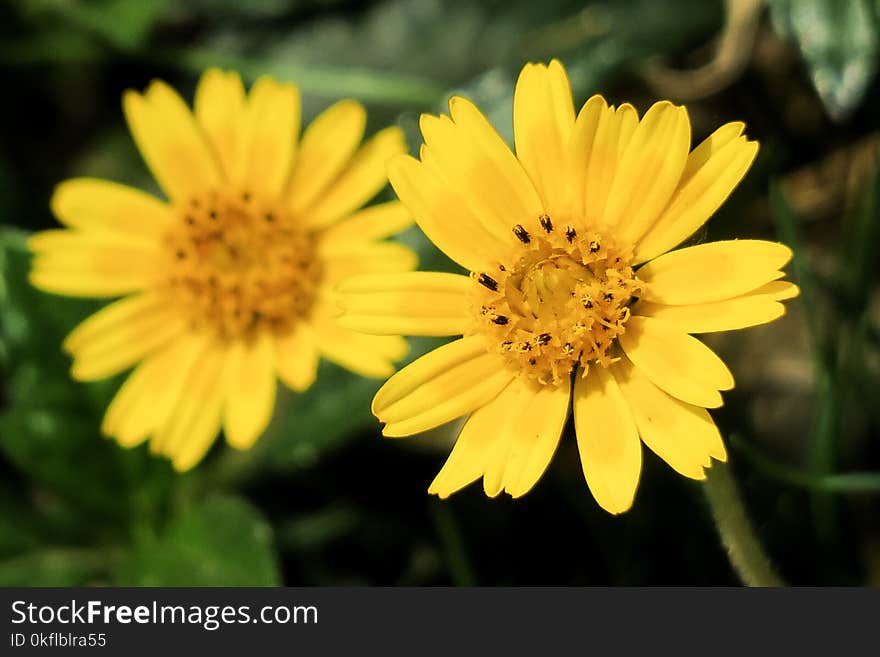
[[571, 295], [228, 285]]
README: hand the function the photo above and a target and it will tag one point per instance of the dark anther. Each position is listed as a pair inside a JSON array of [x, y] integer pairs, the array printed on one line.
[[180, 254], [189, 220], [502, 268], [608, 296], [570, 234], [521, 234], [588, 304], [487, 281], [269, 217], [533, 361], [544, 338], [594, 246], [546, 224], [501, 320], [212, 214], [245, 197], [507, 344], [525, 346]]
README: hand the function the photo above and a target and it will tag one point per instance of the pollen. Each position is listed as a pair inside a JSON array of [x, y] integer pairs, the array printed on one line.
[[238, 265], [563, 302]]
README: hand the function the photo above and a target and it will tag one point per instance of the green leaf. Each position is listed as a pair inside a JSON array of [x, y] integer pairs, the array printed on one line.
[[223, 541], [54, 567], [838, 40]]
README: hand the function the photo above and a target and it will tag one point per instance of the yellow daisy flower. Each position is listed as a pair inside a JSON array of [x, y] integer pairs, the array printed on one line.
[[228, 284], [571, 300]]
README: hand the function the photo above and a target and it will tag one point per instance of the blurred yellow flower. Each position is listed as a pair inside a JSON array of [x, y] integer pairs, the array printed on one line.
[[230, 283], [571, 295]]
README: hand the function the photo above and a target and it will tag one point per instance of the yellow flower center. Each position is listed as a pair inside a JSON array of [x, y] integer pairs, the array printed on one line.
[[562, 303], [241, 264]]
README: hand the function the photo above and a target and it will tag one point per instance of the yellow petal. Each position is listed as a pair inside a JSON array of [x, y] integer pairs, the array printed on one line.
[[194, 422], [296, 358], [91, 204], [171, 142], [681, 434], [220, 111], [433, 203], [373, 223], [368, 355], [614, 128], [757, 307], [410, 303], [476, 162], [344, 259], [92, 264], [538, 422], [543, 118], [608, 440], [676, 362], [328, 144], [648, 172], [469, 457], [578, 151], [713, 271], [270, 133], [250, 391], [118, 348], [723, 161], [149, 394], [118, 316], [360, 181], [444, 384]]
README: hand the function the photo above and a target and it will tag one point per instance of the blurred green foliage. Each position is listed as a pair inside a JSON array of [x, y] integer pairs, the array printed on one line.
[[322, 499]]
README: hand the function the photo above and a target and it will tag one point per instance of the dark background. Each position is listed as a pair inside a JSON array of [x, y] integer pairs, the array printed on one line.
[[322, 499]]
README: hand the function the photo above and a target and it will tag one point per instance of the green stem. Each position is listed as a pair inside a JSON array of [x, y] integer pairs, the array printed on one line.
[[737, 533], [453, 544]]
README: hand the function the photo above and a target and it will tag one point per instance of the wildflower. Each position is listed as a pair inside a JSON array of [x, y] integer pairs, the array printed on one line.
[[228, 284], [571, 300]]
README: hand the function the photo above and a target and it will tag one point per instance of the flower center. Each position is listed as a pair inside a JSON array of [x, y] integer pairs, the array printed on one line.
[[240, 264], [562, 303]]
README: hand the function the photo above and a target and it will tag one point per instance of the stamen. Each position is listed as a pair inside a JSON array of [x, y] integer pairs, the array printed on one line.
[[546, 223], [488, 281], [521, 234]]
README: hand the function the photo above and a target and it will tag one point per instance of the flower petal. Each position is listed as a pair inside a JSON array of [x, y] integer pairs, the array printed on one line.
[[538, 420], [410, 303], [444, 384], [250, 391], [368, 355], [362, 179], [296, 358], [341, 260], [171, 142], [713, 170], [99, 205], [676, 362], [681, 434], [269, 137], [577, 154], [220, 111], [543, 118], [328, 144], [433, 202], [608, 440], [468, 460], [193, 424], [648, 171], [106, 347], [613, 130], [476, 162], [90, 264], [149, 394], [757, 307], [712, 272], [373, 223]]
